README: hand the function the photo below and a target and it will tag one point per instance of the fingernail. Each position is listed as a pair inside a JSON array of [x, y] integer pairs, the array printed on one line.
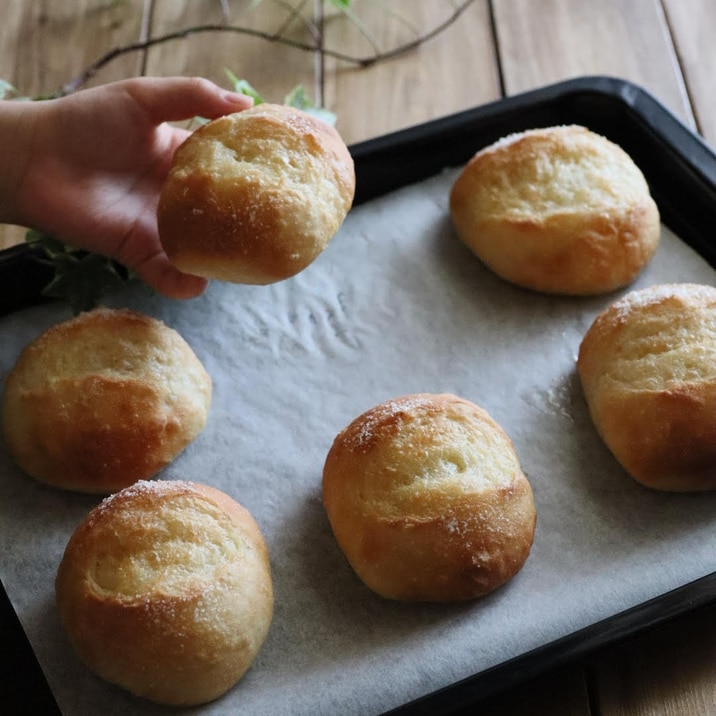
[[238, 98]]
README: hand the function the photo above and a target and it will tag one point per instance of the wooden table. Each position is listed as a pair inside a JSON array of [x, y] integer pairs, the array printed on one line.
[[490, 50]]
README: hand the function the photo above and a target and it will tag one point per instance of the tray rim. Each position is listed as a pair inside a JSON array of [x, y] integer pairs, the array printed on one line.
[[697, 158], [696, 161]]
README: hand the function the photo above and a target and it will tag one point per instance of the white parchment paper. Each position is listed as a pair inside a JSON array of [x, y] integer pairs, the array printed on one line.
[[395, 305]]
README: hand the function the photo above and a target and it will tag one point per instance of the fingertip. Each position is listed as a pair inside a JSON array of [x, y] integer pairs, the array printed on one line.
[[167, 280], [238, 101], [175, 284]]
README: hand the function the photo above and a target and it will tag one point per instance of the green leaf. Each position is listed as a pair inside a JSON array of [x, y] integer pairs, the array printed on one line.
[[7, 91], [80, 278], [83, 281], [340, 4], [243, 87], [298, 97]]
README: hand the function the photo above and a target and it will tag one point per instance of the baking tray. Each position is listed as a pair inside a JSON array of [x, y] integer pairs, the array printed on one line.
[[681, 171]]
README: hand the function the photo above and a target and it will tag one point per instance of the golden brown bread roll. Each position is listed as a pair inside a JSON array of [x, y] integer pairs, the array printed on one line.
[[559, 210], [255, 197], [648, 369], [165, 590], [427, 499], [103, 400]]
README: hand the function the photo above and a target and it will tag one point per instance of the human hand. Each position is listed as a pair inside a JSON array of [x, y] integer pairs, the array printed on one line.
[[95, 162]]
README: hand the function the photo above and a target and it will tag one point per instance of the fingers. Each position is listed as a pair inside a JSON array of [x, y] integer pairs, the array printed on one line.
[[167, 99], [142, 252], [164, 278]]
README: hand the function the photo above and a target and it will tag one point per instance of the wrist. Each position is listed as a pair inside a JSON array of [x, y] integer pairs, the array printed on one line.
[[17, 125]]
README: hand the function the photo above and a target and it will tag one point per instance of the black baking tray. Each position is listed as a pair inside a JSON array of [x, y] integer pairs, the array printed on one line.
[[681, 171]]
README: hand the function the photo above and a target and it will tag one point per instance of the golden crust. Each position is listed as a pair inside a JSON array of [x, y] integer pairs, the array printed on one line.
[[103, 400], [648, 370], [165, 590], [427, 500], [558, 210], [256, 196]]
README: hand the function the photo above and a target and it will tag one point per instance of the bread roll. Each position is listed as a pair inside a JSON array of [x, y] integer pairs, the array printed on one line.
[[256, 196], [559, 210], [648, 369], [103, 400], [427, 500], [165, 590]]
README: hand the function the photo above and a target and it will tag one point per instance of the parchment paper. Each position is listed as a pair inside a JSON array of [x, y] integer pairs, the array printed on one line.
[[395, 305]]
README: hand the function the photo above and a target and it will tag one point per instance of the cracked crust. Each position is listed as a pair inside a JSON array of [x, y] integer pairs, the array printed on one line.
[[254, 197], [165, 590], [427, 499], [558, 210], [648, 370], [103, 400]]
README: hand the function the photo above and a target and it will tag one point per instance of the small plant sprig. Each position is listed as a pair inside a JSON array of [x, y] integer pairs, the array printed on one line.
[[297, 97], [81, 278]]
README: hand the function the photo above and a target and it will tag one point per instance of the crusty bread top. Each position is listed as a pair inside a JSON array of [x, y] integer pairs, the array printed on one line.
[[653, 339], [433, 447], [559, 210], [112, 343], [648, 369], [102, 400], [161, 539], [427, 500], [556, 170], [254, 197], [165, 589], [271, 145]]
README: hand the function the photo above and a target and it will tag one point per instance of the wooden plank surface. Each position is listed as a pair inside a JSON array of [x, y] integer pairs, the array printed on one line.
[[666, 672], [272, 68], [693, 27], [513, 45], [552, 40], [415, 87], [46, 43]]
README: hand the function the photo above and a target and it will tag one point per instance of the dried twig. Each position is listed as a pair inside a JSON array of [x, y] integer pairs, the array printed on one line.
[[367, 61]]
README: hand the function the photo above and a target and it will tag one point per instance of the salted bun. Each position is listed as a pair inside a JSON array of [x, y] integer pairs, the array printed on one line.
[[254, 197], [647, 365], [558, 210], [427, 499], [102, 400], [165, 590]]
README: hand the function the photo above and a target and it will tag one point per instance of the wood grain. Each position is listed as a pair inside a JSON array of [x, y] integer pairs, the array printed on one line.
[[272, 68], [693, 26], [46, 43], [418, 86], [666, 672], [552, 40], [666, 46]]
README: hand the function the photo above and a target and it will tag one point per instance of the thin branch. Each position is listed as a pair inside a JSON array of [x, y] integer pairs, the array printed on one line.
[[225, 11], [363, 62], [294, 13], [318, 56], [145, 32]]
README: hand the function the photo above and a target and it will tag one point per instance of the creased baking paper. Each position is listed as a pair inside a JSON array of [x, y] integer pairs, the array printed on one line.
[[395, 305]]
